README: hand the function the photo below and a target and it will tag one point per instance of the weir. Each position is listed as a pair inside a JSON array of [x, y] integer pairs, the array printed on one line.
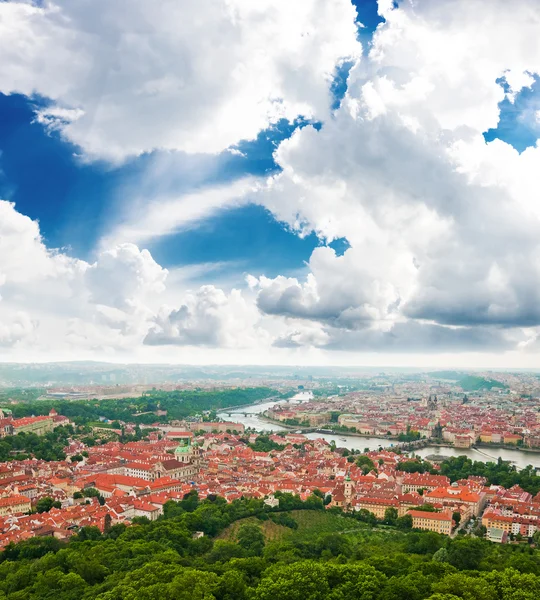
[[493, 458]]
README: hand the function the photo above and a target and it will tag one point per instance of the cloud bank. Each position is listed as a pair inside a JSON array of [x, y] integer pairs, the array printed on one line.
[[444, 252]]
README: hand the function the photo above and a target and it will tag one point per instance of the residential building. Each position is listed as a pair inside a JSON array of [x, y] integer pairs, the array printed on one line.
[[13, 505], [440, 522]]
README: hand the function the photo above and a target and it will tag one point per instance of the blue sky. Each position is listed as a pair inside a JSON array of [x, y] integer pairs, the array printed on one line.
[[76, 201], [519, 124]]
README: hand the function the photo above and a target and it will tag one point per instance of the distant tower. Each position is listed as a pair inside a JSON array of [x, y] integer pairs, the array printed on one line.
[[348, 488]]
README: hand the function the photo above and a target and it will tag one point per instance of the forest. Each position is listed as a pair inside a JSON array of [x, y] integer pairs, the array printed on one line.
[[497, 473], [165, 560], [179, 404], [45, 447]]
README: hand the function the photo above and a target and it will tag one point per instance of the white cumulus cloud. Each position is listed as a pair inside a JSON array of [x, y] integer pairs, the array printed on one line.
[[209, 317], [442, 225], [130, 76]]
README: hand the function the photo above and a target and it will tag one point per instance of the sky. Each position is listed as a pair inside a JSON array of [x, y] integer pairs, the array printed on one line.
[[311, 182]]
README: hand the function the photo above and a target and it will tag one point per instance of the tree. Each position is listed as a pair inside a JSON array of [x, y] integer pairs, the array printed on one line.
[[513, 585], [314, 502], [456, 516], [412, 466], [365, 461], [427, 507], [390, 516], [190, 501], [468, 588], [233, 586], [223, 551], [116, 530], [365, 516], [89, 533], [333, 544], [299, 581], [414, 586], [251, 539], [480, 530], [91, 570], [425, 542], [45, 504], [354, 582], [441, 555], [405, 522], [466, 553]]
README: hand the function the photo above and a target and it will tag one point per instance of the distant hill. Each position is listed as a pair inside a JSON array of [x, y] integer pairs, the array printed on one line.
[[471, 383]]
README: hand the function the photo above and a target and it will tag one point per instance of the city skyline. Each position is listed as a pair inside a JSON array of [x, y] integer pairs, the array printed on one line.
[[341, 183]]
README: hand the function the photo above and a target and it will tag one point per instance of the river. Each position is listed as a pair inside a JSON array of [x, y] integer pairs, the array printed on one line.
[[249, 416]]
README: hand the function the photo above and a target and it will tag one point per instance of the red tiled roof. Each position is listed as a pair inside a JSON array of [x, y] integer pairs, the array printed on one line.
[[422, 514], [14, 500]]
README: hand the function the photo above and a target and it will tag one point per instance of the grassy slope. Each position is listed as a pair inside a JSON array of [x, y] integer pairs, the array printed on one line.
[[311, 523]]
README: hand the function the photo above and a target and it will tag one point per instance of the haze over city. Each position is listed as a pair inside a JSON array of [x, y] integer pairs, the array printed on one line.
[[271, 182]]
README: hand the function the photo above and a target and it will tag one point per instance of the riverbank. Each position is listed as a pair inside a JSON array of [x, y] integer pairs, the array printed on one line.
[[251, 416], [232, 409], [273, 400], [337, 432], [394, 440], [486, 446]]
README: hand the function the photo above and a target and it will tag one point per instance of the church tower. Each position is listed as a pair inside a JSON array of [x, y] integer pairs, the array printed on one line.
[[184, 451], [188, 452], [349, 488]]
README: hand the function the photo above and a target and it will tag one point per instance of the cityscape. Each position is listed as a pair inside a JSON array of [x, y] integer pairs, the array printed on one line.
[[383, 447]]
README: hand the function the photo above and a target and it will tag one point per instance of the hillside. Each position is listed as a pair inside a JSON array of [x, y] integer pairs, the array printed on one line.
[[311, 523], [472, 383]]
